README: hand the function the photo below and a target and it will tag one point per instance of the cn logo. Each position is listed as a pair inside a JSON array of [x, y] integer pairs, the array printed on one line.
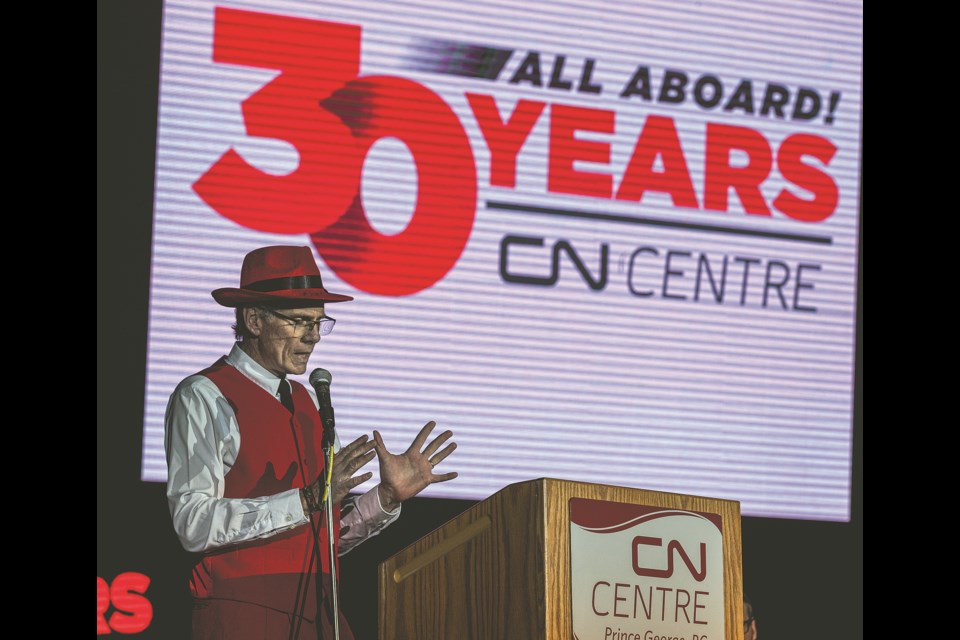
[[673, 549], [332, 116]]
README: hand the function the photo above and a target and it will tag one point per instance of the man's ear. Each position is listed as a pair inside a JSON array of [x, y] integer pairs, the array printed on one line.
[[253, 319]]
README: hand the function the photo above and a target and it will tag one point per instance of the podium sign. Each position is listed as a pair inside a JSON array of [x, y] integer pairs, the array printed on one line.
[[552, 559], [640, 572]]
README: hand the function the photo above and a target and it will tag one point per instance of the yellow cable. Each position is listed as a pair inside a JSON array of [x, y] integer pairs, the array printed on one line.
[[326, 488]]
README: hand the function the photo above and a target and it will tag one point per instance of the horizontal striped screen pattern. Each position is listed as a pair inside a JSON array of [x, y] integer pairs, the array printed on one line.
[[608, 242]]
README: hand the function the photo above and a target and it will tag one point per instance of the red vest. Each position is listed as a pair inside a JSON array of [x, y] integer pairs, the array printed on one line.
[[278, 452]]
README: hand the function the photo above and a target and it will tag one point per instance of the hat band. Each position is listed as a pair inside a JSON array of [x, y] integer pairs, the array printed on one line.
[[284, 284]]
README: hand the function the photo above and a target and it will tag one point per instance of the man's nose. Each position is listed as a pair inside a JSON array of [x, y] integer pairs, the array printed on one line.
[[313, 333]]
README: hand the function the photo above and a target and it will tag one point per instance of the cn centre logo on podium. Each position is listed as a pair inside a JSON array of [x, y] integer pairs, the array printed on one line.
[[645, 573]]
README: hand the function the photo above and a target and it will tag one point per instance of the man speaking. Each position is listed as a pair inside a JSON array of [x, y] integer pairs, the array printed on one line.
[[246, 464]]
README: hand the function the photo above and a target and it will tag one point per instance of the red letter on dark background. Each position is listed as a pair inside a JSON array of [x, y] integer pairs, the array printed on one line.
[[133, 612], [103, 603]]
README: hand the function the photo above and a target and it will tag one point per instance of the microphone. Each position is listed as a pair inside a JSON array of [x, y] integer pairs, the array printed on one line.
[[320, 381]]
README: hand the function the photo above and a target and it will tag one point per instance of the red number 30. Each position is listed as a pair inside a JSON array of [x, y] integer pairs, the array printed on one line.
[[332, 117]]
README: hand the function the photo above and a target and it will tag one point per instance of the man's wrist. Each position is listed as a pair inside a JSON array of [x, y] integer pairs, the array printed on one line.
[[310, 501], [387, 502], [304, 503]]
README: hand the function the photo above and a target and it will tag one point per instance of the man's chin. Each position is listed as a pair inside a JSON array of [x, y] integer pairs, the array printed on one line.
[[298, 368]]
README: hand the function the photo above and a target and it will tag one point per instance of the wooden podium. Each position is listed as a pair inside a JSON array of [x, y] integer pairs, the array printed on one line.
[[501, 570]]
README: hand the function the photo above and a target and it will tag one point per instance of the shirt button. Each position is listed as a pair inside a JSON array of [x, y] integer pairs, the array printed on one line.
[[289, 517]]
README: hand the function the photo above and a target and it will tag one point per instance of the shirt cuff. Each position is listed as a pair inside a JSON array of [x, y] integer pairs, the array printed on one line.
[[370, 506], [289, 508]]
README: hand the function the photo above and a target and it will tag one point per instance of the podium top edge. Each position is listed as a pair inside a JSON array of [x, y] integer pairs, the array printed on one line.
[[546, 483]]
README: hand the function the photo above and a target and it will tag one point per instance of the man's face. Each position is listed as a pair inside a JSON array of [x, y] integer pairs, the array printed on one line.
[[282, 347]]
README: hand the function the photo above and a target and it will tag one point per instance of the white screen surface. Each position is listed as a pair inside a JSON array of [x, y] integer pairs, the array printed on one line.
[[703, 343]]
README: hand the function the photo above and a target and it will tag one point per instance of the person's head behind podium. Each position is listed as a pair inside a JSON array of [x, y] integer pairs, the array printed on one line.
[[749, 620]]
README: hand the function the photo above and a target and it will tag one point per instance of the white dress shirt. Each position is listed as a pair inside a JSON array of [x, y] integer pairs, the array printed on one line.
[[202, 444]]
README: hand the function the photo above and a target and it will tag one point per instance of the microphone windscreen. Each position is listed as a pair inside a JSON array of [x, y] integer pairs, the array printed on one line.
[[320, 376]]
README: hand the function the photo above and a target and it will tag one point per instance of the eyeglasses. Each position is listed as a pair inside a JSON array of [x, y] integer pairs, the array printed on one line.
[[302, 326]]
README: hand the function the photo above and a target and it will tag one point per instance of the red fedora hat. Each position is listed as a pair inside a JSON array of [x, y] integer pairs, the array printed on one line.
[[278, 275]]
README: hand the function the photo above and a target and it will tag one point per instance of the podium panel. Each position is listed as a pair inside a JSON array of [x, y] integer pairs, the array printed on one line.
[[502, 569]]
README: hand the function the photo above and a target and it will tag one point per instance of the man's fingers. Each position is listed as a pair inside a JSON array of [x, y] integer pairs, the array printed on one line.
[[361, 445], [437, 459], [358, 463], [443, 477], [417, 443], [358, 480], [378, 444], [344, 484], [356, 443], [345, 467], [439, 440]]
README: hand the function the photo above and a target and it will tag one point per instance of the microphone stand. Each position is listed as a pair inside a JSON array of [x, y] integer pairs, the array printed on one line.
[[320, 380], [332, 551]]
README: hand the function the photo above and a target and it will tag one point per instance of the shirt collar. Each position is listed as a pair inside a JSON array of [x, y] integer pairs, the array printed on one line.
[[249, 367]]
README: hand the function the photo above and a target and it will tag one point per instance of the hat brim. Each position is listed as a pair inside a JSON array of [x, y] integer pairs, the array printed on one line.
[[230, 297]]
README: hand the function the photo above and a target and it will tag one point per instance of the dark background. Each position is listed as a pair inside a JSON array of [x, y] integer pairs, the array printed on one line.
[[805, 578]]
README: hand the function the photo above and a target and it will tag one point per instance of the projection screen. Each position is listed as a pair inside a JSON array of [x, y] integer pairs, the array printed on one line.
[[609, 242]]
